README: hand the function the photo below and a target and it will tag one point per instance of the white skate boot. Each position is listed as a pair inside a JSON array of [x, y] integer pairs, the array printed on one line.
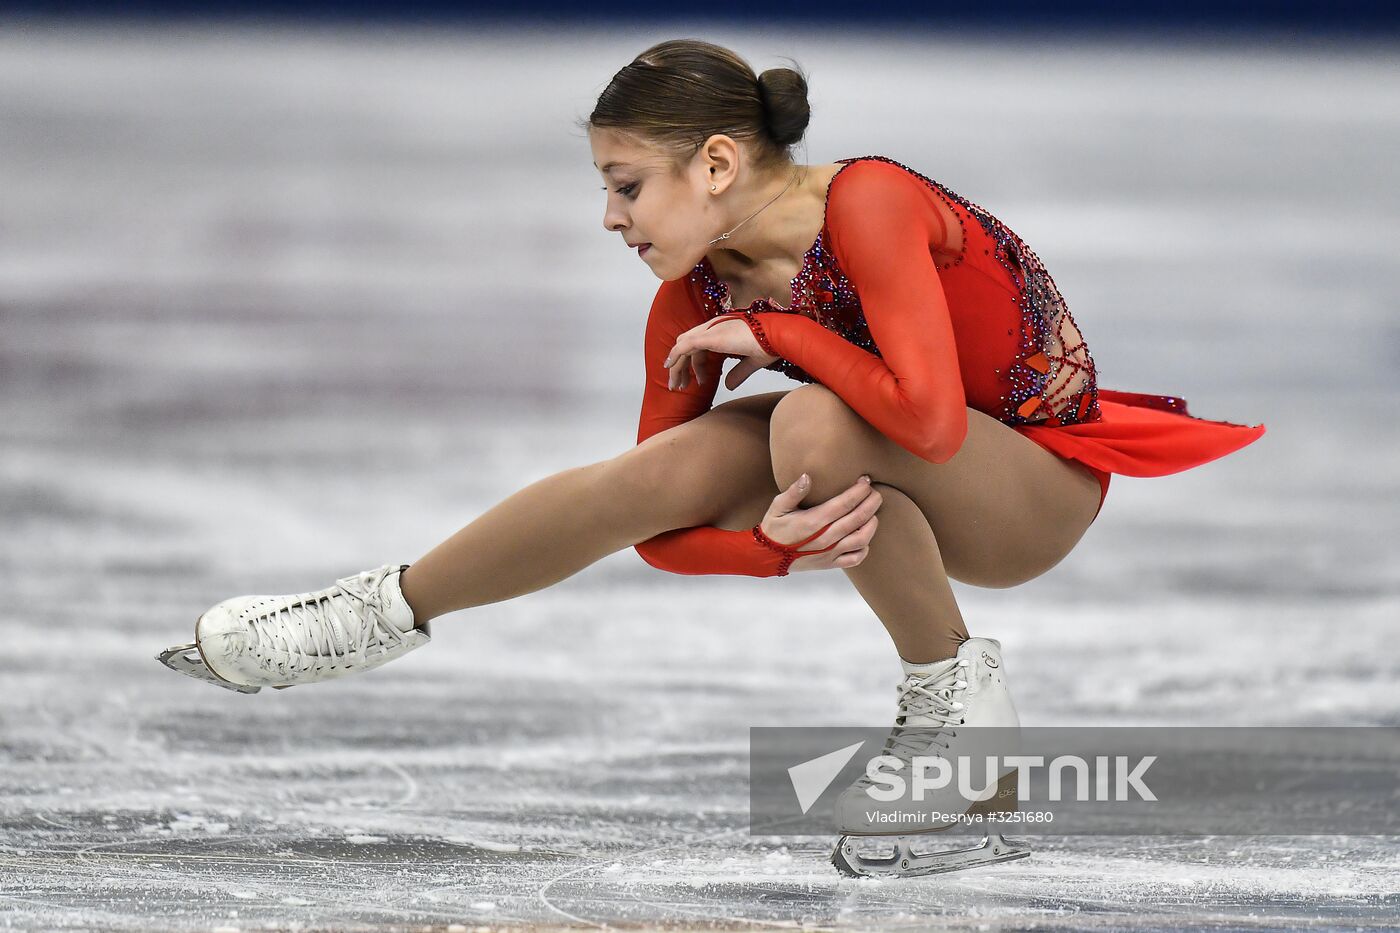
[[967, 690], [249, 642]]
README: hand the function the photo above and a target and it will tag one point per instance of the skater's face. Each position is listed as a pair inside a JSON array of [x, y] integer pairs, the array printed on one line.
[[648, 202]]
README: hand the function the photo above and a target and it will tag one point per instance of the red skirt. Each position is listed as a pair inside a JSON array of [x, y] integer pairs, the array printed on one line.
[[1142, 435]]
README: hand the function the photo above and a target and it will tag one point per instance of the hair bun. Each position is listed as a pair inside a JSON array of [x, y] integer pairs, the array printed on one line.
[[786, 113], [677, 94]]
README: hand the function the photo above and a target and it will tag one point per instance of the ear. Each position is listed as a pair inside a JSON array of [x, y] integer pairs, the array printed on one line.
[[719, 162]]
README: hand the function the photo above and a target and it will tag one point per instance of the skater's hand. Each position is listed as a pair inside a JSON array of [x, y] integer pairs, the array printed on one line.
[[701, 349], [851, 515]]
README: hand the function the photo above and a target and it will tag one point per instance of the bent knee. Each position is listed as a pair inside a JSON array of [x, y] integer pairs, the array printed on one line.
[[813, 428]]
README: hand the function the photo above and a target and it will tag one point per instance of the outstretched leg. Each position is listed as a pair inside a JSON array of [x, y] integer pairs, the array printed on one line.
[[1001, 511], [696, 473]]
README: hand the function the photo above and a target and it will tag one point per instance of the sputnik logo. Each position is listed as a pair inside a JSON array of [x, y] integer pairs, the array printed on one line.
[[811, 778]]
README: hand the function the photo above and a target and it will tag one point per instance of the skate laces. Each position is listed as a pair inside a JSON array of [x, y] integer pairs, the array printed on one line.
[[928, 697], [332, 623]]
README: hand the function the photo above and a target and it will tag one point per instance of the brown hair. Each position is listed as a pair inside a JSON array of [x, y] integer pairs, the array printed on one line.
[[679, 93]]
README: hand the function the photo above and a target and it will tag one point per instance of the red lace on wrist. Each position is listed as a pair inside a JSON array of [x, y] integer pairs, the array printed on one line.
[[757, 327], [789, 552]]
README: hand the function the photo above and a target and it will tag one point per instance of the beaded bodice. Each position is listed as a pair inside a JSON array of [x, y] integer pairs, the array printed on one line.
[[820, 291], [1050, 380]]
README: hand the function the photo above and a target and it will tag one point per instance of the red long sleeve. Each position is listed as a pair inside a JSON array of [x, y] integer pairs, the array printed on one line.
[[881, 230], [703, 549]]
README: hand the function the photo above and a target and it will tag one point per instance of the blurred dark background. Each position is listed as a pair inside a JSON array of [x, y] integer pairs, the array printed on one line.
[[1304, 17]]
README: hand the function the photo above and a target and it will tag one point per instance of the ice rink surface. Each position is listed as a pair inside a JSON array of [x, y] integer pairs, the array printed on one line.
[[276, 307]]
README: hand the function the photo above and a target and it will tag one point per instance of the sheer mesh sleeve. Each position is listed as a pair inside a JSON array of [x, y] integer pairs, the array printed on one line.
[[702, 549], [882, 230]]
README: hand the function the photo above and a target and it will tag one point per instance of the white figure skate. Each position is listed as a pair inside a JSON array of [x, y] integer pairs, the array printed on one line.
[[967, 690], [250, 642]]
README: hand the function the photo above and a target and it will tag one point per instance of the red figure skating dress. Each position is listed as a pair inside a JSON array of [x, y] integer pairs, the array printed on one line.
[[910, 320]]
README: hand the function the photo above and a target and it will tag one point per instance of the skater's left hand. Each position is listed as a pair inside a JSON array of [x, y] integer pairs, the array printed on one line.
[[701, 348]]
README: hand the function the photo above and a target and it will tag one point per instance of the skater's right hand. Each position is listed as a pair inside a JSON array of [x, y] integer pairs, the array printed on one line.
[[851, 515]]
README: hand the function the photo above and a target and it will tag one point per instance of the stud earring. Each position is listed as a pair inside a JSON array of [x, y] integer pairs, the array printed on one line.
[[713, 188]]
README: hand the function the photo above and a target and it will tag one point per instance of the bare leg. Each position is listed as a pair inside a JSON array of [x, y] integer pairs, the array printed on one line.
[[689, 475], [542, 534], [903, 581], [1001, 511]]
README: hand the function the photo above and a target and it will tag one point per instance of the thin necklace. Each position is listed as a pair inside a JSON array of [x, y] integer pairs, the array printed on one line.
[[725, 236]]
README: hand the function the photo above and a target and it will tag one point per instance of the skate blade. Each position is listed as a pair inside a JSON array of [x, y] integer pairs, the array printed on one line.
[[186, 660], [904, 863]]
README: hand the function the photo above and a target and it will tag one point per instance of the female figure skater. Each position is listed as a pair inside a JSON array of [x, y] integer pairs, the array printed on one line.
[[946, 387]]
